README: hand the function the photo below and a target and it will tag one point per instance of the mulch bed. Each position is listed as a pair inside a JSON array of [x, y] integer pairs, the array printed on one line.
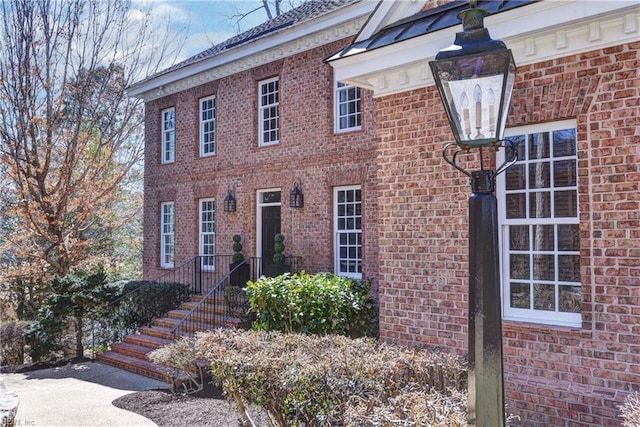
[[205, 408]]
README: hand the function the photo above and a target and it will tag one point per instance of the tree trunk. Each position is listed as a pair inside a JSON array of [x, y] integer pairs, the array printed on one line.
[[79, 346]]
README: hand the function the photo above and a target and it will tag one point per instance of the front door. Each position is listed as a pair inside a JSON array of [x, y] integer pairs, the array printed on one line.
[[269, 225]]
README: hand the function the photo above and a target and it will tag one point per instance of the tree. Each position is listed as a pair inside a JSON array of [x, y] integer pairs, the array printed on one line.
[[270, 8], [71, 140], [70, 136]]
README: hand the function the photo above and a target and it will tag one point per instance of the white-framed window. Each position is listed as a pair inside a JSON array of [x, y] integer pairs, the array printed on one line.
[[168, 135], [208, 126], [348, 107], [167, 244], [269, 111], [347, 219], [539, 226], [207, 233]]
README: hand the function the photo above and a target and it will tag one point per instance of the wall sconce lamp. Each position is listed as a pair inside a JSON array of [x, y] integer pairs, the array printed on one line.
[[296, 198], [229, 203]]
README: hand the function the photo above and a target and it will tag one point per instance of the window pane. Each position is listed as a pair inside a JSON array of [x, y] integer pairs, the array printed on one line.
[[539, 146], [568, 237], [520, 295], [564, 173], [566, 204], [570, 299], [516, 205], [544, 297], [543, 237], [519, 267], [519, 237], [544, 267], [539, 204], [569, 268], [515, 177], [539, 175], [564, 143]]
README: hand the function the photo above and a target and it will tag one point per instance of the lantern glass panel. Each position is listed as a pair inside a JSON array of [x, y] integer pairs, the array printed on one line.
[[476, 91]]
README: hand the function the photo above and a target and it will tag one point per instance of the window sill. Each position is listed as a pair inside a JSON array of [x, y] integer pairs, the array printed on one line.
[[573, 331]]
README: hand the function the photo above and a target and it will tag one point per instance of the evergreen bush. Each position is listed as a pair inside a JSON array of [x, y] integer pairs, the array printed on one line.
[[314, 304]]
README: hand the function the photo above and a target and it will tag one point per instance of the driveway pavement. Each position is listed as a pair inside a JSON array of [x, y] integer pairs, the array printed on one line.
[[76, 395]]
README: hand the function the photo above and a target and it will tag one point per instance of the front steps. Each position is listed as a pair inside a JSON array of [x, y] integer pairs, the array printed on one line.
[[132, 353]]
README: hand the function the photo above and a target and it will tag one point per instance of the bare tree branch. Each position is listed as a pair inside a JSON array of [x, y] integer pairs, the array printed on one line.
[[69, 135]]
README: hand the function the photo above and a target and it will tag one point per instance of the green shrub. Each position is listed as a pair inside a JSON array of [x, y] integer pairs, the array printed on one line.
[[139, 302], [304, 380], [12, 343], [320, 304]]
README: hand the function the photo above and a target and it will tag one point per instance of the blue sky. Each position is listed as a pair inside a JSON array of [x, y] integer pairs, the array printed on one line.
[[205, 22]]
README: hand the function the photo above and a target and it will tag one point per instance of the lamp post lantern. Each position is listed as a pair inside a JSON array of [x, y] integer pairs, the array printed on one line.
[[475, 78]]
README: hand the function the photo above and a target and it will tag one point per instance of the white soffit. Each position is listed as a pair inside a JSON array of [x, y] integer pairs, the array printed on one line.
[[541, 31]]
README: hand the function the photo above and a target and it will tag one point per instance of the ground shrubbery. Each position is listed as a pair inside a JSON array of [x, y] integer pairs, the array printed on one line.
[[12, 342], [314, 304], [84, 311], [333, 380], [630, 411]]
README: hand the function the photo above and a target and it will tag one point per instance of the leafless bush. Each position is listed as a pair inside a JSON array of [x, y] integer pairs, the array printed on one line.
[[630, 411], [182, 363], [12, 343], [335, 380]]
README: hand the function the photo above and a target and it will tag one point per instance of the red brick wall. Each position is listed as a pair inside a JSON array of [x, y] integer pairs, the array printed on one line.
[[308, 151], [553, 375]]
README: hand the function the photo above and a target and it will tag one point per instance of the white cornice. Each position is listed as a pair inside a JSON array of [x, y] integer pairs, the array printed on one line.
[[308, 35], [541, 31]]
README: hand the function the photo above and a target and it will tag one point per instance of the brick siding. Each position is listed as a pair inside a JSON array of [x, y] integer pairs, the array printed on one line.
[[308, 151], [554, 376]]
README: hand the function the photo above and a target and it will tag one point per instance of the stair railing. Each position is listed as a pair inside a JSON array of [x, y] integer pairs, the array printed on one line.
[[226, 299]]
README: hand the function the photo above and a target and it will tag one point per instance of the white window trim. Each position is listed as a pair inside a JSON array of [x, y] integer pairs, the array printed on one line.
[[261, 110], [336, 232], [336, 108], [555, 318], [164, 133], [201, 234], [203, 123], [164, 235]]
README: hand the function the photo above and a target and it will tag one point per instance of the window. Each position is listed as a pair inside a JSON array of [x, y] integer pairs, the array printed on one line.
[[207, 233], [208, 126], [167, 245], [539, 225], [168, 135], [348, 231], [348, 110], [269, 98]]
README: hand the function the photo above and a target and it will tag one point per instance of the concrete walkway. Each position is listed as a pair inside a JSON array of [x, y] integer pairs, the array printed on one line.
[[76, 395]]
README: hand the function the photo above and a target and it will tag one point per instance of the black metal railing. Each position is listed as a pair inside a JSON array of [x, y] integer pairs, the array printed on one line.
[[225, 300]]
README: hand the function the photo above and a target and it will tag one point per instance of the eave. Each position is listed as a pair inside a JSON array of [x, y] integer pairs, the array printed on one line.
[[345, 22], [537, 32]]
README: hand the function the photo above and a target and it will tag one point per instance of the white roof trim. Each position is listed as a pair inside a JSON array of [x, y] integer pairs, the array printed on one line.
[[388, 12], [323, 30], [537, 32]]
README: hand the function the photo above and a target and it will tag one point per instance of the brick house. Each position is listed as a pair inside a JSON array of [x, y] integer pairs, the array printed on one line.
[[337, 97]]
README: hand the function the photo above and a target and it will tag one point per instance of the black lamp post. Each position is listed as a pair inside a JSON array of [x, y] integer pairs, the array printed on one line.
[[475, 79]]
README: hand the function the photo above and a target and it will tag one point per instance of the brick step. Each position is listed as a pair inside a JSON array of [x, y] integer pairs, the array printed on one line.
[[147, 340], [132, 364], [133, 350], [202, 316], [191, 326], [218, 307], [158, 332]]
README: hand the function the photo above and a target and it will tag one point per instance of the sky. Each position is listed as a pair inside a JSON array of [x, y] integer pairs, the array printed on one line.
[[204, 22]]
